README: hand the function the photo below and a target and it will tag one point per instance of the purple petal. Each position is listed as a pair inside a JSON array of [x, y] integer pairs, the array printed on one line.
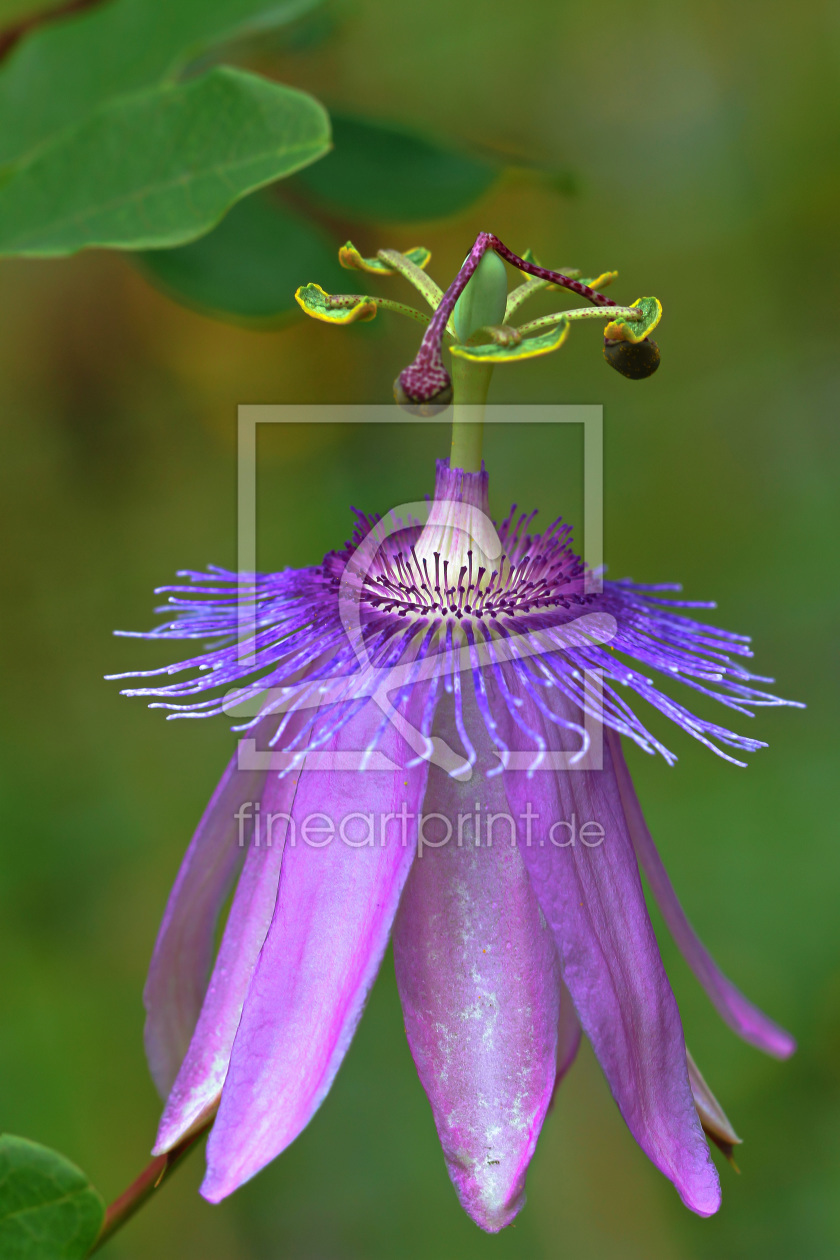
[[713, 1118], [195, 1094], [479, 981], [593, 900], [569, 1034], [180, 964], [330, 927], [745, 1019]]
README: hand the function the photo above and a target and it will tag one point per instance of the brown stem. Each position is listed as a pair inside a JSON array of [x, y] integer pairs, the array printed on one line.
[[150, 1179], [13, 34]]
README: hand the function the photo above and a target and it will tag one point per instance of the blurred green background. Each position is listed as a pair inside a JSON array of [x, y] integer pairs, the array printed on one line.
[[704, 142]]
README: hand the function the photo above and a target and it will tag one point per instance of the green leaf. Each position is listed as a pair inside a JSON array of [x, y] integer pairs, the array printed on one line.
[[527, 348], [635, 331], [48, 1208], [65, 70], [159, 168], [248, 268], [380, 172]]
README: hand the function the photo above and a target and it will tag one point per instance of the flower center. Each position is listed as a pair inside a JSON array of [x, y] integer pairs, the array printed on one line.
[[410, 583], [459, 574]]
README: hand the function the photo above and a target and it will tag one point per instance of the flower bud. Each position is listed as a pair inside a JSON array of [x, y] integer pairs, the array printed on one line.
[[484, 299]]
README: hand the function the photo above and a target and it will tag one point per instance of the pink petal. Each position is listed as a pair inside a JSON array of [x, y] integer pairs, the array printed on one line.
[[479, 982], [183, 953], [592, 898], [568, 1035], [330, 927], [745, 1019], [195, 1094]]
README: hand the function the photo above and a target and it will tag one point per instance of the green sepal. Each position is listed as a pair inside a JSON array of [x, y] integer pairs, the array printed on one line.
[[316, 302], [499, 334], [352, 260], [527, 348], [636, 330]]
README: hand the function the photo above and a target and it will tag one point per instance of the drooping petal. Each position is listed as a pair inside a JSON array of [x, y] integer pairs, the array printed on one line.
[[745, 1019], [195, 1094], [568, 1034], [334, 912], [591, 895], [183, 952], [479, 982]]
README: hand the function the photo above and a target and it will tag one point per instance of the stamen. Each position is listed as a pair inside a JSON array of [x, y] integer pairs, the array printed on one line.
[[426, 382], [299, 651]]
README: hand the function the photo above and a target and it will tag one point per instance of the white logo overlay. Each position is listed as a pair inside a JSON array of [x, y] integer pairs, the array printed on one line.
[[379, 683]]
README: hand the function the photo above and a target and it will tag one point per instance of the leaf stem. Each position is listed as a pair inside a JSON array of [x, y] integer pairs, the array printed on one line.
[[141, 1190]]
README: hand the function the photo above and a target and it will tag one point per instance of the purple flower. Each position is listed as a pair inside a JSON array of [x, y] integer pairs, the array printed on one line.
[[428, 700]]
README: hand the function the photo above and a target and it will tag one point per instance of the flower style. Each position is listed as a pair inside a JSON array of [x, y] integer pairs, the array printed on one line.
[[427, 702]]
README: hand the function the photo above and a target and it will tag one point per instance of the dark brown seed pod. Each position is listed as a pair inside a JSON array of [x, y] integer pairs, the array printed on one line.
[[635, 360], [426, 407]]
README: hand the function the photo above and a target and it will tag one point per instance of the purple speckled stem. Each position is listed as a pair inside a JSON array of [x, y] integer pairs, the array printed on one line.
[[426, 377], [542, 273]]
